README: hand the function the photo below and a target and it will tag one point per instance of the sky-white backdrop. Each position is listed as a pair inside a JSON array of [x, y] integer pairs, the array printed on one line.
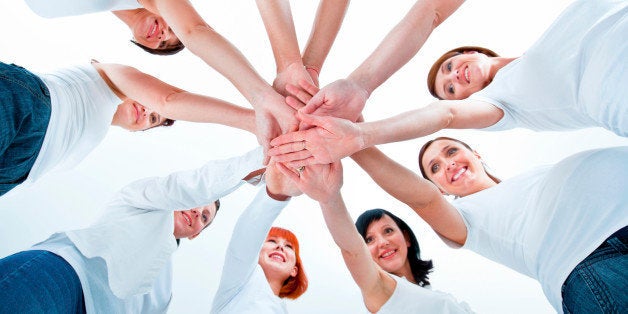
[[72, 199]]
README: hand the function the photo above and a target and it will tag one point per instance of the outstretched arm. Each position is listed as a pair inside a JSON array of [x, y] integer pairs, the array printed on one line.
[[335, 138], [273, 117], [329, 17], [346, 98], [421, 195], [322, 183], [279, 25], [172, 102]]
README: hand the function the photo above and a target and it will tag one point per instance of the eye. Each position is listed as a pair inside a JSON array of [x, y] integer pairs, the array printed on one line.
[[153, 118], [205, 219], [434, 168], [450, 88], [448, 66], [271, 241], [162, 45], [288, 245], [368, 240], [451, 151], [388, 230]]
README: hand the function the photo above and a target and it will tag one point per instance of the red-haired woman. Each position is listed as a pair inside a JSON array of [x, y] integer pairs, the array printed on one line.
[[261, 267]]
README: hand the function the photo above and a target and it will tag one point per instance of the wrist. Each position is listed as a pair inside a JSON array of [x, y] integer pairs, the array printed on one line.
[[362, 83], [313, 68]]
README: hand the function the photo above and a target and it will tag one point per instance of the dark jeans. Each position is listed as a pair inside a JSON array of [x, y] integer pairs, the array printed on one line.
[[39, 282], [24, 116], [599, 284]]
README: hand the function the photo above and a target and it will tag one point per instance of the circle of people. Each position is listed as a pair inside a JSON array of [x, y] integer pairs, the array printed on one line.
[[563, 225]]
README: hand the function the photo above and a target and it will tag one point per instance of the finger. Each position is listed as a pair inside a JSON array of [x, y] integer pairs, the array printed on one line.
[[300, 94], [298, 136], [288, 172], [311, 119], [294, 103], [303, 162], [309, 87], [289, 157]]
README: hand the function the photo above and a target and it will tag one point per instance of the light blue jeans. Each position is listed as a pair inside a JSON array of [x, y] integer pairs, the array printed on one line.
[[599, 284], [39, 282]]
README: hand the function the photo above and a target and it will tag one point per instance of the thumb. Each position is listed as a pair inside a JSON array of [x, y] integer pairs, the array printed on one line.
[[314, 103], [311, 119]]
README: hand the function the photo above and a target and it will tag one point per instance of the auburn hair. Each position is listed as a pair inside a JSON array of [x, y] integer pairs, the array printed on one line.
[[295, 286]]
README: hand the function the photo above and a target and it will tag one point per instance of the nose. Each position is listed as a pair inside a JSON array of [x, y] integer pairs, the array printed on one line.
[[382, 242], [451, 164]]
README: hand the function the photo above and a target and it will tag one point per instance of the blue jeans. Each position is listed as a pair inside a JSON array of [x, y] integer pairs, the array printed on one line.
[[39, 282], [599, 284], [24, 116]]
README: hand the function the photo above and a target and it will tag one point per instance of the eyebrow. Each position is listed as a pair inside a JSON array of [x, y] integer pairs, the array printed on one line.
[[429, 164]]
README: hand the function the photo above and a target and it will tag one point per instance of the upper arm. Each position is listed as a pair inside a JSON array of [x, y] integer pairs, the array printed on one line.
[[139, 86], [180, 16], [471, 114]]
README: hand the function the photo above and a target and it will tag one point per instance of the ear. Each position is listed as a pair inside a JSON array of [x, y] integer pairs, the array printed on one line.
[[294, 271], [477, 155]]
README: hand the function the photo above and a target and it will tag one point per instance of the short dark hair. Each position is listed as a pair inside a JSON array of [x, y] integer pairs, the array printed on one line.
[[168, 51], [420, 268]]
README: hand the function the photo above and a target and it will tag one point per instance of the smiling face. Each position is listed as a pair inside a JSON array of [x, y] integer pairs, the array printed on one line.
[[462, 75], [388, 245], [133, 116], [189, 223], [455, 169], [150, 30], [278, 258]]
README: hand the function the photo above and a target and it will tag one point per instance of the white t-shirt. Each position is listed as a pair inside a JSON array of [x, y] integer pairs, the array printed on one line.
[[60, 8], [82, 107], [573, 77], [123, 260], [409, 298], [544, 222], [243, 285]]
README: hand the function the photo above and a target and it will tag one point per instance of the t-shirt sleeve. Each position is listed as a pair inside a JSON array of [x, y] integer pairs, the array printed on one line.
[[192, 188], [506, 122]]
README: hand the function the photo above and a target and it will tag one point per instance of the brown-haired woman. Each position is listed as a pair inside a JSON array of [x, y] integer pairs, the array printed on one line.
[[573, 77], [561, 224]]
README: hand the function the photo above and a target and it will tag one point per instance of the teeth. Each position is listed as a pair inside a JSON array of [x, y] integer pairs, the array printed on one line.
[[389, 253], [458, 174], [466, 74], [276, 257], [187, 219]]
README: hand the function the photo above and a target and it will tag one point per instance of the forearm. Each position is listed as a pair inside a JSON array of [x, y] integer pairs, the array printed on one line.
[[408, 125], [327, 22], [341, 225], [403, 42], [199, 108], [277, 18], [397, 180]]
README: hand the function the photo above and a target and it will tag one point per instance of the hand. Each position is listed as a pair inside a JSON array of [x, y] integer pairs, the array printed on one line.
[[273, 118], [292, 74], [314, 73], [330, 140], [279, 186], [342, 99], [320, 182]]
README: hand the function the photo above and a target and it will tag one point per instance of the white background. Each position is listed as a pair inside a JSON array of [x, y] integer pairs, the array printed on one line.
[[73, 199]]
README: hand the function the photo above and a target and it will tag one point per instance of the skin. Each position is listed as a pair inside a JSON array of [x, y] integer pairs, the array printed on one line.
[[190, 223], [388, 246], [148, 28], [151, 95], [332, 139], [464, 74], [455, 169], [278, 260], [132, 116], [347, 97]]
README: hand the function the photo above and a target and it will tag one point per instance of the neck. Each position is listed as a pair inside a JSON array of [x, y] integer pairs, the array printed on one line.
[[275, 284], [497, 63], [406, 272]]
